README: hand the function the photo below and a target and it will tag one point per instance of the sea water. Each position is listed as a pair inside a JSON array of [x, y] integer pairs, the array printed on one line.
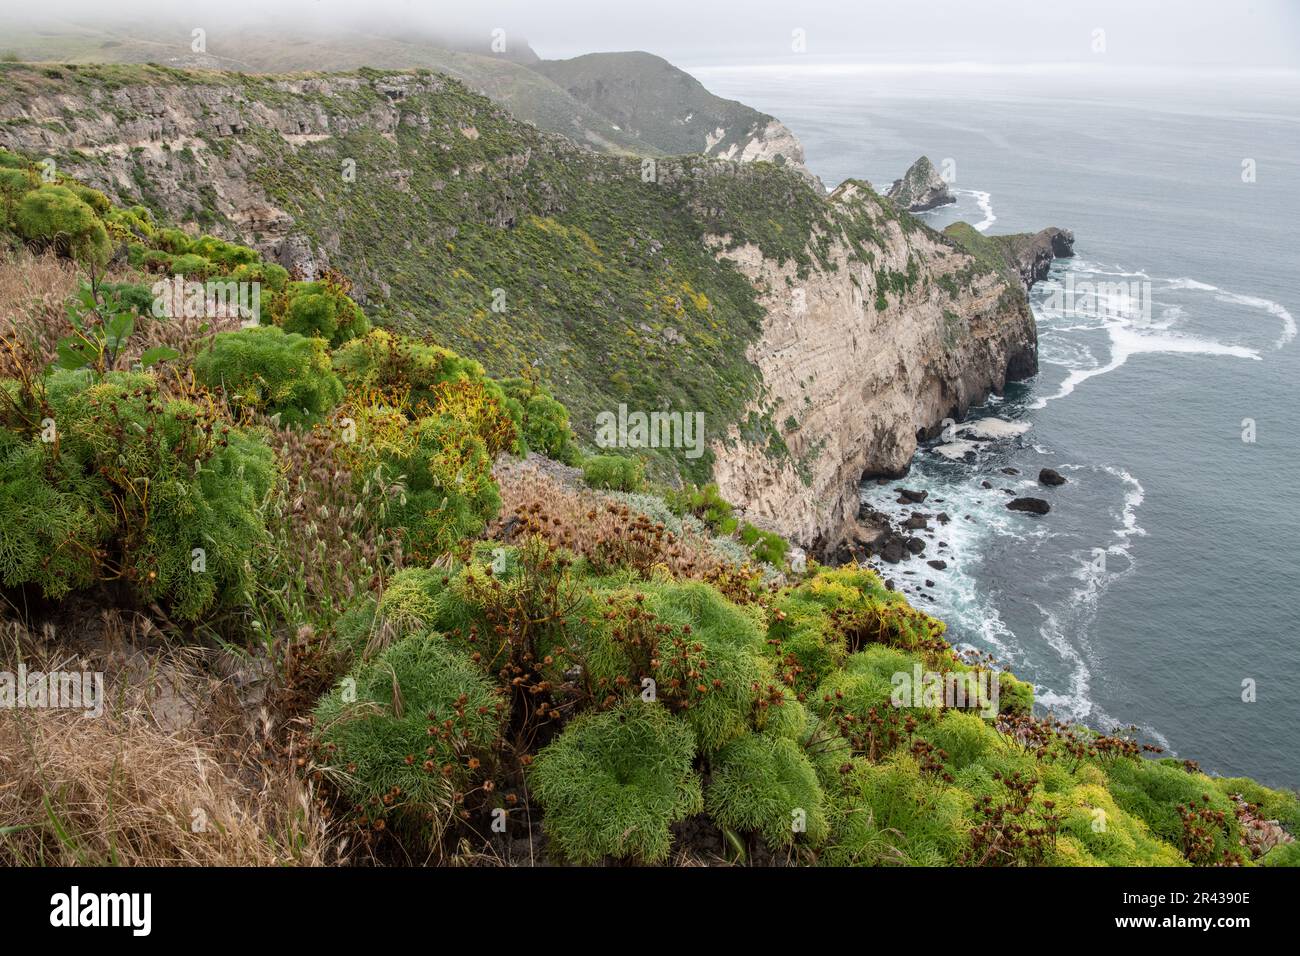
[[1161, 590]]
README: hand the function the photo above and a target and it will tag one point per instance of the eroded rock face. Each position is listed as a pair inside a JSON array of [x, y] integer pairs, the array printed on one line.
[[920, 188], [156, 134], [770, 142], [1031, 254], [860, 382]]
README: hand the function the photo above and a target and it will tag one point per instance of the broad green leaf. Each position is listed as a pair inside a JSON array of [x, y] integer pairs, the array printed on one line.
[[159, 353]]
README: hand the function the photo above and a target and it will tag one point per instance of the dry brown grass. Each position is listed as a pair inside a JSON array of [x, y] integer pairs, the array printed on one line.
[[600, 528], [34, 290], [171, 774]]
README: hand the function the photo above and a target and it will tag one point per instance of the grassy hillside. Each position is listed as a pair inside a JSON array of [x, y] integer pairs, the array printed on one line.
[[466, 225], [264, 48], [649, 98]]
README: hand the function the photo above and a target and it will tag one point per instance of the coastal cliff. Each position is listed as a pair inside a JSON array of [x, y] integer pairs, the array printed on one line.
[[820, 335], [859, 364]]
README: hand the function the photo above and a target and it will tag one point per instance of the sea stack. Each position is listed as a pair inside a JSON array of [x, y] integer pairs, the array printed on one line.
[[920, 188]]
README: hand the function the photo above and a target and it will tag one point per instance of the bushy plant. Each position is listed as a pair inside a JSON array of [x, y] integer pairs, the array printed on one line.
[[615, 781], [274, 277], [183, 490], [1157, 791], [704, 654], [766, 546], [706, 503], [448, 493], [1094, 830], [893, 813], [802, 642], [764, 783], [419, 380], [266, 369], [53, 516], [865, 684], [405, 732], [613, 472], [859, 610], [323, 309], [544, 422], [174, 241], [227, 254], [56, 217]]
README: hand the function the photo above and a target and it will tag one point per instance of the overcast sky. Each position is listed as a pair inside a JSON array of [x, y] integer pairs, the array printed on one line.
[[1224, 33]]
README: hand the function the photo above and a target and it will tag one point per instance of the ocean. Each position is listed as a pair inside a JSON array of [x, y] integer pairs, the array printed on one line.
[[1160, 591]]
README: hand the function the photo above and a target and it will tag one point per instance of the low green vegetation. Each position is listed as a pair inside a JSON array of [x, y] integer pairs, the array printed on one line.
[[614, 472], [268, 370], [325, 502]]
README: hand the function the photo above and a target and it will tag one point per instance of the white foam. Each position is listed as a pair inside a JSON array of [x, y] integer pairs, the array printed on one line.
[[1250, 301], [985, 202], [1127, 341], [992, 429], [955, 450]]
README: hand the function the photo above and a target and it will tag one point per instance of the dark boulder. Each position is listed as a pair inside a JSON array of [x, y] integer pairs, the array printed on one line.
[[1050, 476], [1033, 506]]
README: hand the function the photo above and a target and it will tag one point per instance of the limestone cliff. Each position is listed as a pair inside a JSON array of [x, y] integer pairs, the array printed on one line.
[[857, 383]]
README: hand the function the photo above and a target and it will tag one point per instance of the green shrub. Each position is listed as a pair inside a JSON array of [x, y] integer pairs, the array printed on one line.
[[450, 493], [704, 653], [892, 813], [323, 310], [417, 380], [172, 240], [765, 784], [192, 539], [864, 684], [1152, 790], [614, 782], [1284, 854], [132, 295], [707, 504], [53, 517], [766, 546], [92, 198], [223, 253], [1015, 696], [267, 369], [269, 274], [192, 266], [403, 748], [1094, 830], [544, 421], [802, 642], [614, 472], [14, 183], [55, 217]]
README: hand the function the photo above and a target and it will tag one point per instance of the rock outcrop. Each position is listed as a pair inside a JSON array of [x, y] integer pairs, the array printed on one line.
[[864, 371], [1031, 254], [1033, 506], [921, 188]]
